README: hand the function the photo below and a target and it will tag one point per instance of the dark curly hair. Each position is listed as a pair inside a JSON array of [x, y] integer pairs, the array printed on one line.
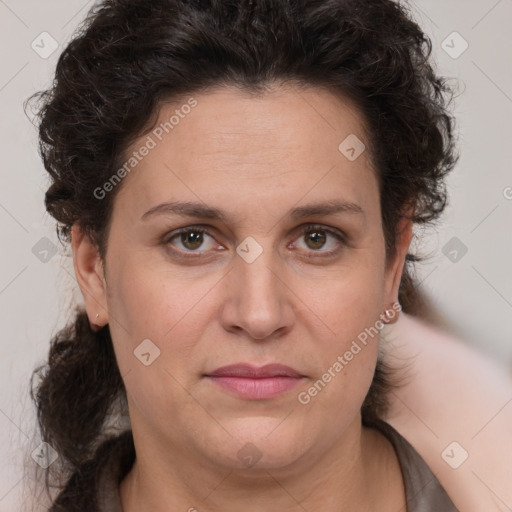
[[129, 56]]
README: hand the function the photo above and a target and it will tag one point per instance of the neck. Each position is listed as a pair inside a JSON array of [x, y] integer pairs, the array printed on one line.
[[360, 473]]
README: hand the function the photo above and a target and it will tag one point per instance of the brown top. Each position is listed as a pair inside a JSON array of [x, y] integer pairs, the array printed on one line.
[[423, 491]]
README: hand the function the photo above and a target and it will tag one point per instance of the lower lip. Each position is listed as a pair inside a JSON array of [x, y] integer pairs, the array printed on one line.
[[256, 389]]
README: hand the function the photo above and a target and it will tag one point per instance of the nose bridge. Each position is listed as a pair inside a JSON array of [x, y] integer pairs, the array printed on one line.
[[258, 301], [258, 284], [258, 280]]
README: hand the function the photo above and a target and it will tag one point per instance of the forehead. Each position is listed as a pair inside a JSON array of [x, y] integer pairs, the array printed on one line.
[[228, 144], [285, 118]]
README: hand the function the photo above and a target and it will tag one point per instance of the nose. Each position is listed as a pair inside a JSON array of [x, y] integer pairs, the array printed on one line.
[[257, 299]]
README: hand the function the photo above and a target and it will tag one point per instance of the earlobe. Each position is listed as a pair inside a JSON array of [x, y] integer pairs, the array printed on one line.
[[90, 277]]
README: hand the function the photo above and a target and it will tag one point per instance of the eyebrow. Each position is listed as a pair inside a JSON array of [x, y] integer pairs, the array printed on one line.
[[201, 210]]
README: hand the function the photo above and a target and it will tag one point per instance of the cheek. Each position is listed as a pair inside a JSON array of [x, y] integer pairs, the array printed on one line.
[[349, 299], [148, 304], [145, 305], [149, 299], [347, 339]]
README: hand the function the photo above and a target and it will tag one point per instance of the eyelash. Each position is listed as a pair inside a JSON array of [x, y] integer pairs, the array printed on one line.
[[338, 235]]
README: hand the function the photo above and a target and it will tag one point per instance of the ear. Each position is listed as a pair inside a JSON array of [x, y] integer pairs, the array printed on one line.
[[89, 273], [395, 267]]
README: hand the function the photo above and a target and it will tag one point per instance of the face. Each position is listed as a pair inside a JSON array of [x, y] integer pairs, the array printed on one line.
[[253, 274]]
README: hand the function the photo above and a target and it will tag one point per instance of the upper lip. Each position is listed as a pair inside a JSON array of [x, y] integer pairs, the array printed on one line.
[[255, 372]]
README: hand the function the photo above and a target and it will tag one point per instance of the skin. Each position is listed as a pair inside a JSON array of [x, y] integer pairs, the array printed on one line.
[[268, 155], [454, 393]]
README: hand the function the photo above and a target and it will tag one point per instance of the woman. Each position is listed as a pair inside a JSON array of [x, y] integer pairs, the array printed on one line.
[[239, 184]]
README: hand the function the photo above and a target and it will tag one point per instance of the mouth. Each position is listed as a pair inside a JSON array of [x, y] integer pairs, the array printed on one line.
[[253, 383]]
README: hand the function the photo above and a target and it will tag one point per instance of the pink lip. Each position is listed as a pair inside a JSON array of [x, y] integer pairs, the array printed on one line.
[[255, 383]]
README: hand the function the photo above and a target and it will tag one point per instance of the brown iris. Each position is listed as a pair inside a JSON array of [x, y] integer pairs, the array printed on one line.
[[317, 237], [194, 238]]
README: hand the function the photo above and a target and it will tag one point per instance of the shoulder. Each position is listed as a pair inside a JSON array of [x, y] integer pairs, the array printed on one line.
[[422, 489], [455, 408]]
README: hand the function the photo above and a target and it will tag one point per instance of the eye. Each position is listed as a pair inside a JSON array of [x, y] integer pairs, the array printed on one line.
[[316, 237], [193, 241], [190, 239]]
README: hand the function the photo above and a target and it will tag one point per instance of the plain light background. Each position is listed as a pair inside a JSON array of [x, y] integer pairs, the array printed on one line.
[[471, 286]]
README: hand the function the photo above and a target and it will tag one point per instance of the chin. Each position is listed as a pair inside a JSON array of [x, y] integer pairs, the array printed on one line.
[[262, 443]]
